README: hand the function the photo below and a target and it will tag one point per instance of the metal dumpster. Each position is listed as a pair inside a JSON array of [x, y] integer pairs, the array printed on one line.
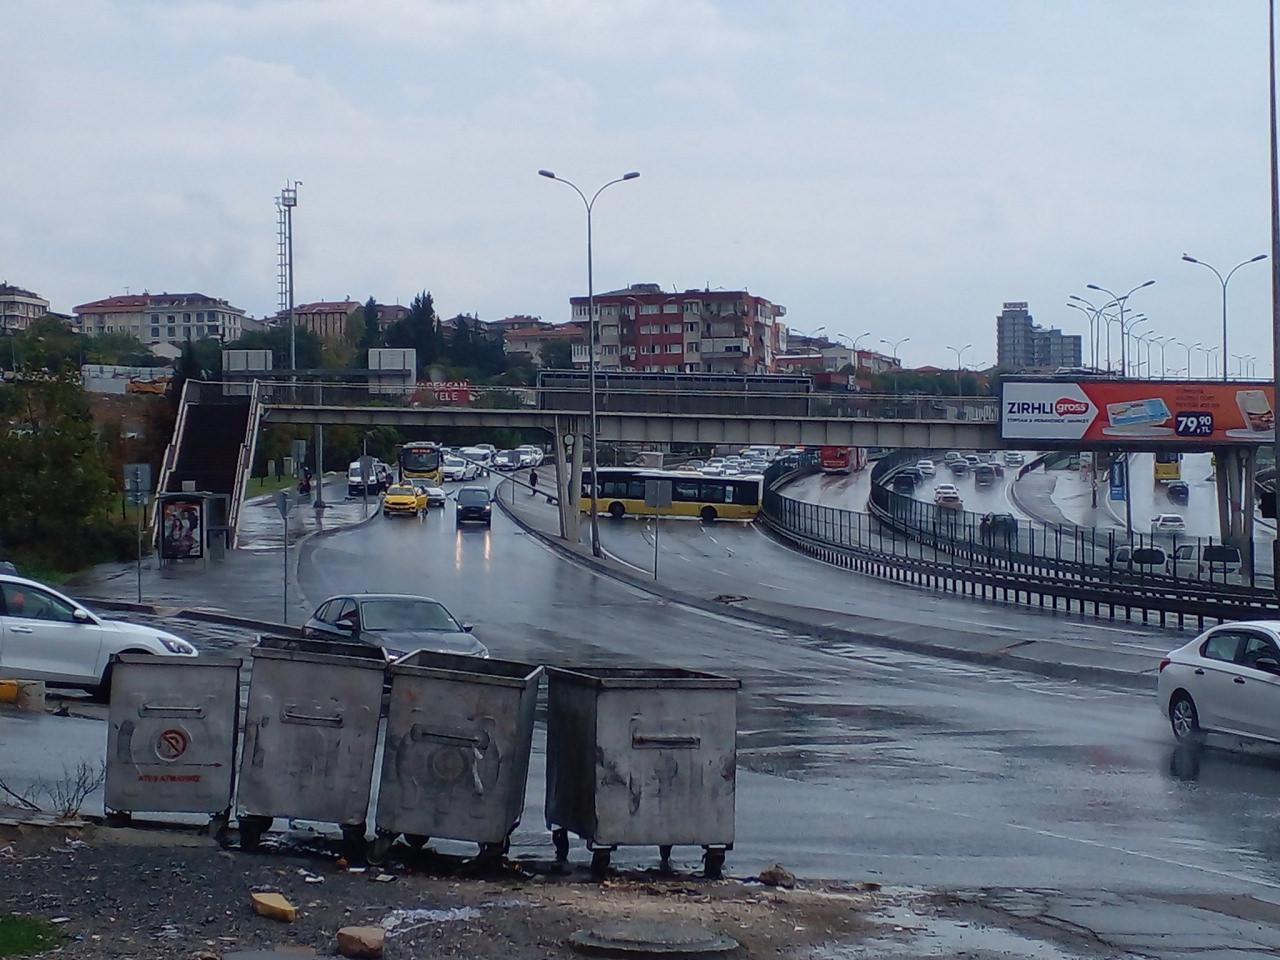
[[641, 756], [171, 744], [310, 734], [456, 758]]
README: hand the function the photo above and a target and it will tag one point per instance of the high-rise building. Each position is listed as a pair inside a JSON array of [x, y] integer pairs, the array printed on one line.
[[642, 327], [1022, 345]]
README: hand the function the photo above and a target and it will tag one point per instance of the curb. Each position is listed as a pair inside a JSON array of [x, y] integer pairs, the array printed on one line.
[[1057, 671]]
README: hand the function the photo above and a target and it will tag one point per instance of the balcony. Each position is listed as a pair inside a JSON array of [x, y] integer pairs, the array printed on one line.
[[727, 347]]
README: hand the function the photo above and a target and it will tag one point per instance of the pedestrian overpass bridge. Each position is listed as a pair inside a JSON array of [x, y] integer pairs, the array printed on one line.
[[652, 416]]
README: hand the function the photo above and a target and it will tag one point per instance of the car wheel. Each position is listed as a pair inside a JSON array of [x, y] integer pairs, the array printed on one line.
[[709, 514], [617, 510], [1183, 717]]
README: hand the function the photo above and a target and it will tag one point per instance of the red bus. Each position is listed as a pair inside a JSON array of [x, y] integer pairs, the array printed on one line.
[[842, 459]]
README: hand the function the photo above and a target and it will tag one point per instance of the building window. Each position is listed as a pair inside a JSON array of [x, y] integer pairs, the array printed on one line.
[[186, 318], [673, 348], [694, 347], [155, 333], [671, 308], [692, 306], [671, 328], [171, 318], [648, 308]]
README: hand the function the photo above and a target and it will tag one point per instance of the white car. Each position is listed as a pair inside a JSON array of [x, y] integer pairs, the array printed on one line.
[[948, 488], [47, 636], [926, 467], [1227, 680], [436, 496], [1168, 523], [530, 456], [455, 468], [481, 455]]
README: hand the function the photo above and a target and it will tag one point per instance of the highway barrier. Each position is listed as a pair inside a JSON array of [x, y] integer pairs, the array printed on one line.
[[898, 541]]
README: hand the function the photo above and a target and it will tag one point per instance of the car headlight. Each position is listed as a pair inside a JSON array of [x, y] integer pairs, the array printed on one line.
[[174, 645]]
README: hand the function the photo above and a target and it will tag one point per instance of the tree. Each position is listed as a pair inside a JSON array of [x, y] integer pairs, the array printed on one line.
[[276, 339], [372, 332], [186, 367], [556, 355]]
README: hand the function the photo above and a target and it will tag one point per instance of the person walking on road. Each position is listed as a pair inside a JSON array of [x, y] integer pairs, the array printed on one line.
[[533, 483]]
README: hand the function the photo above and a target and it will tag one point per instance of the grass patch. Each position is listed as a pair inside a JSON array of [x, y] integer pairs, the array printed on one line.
[[24, 936]]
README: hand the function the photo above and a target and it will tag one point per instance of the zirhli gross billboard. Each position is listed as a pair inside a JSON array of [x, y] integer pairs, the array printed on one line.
[[1113, 412]]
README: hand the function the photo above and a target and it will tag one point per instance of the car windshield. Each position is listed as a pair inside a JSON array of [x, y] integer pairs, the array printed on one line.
[[401, 490], [420, 458], [454, 462], [473, 496], [401, 614]]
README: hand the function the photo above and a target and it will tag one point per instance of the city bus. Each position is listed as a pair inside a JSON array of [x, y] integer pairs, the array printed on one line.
[[1168, 467], [421, 460], [622, 489], [841, 459]]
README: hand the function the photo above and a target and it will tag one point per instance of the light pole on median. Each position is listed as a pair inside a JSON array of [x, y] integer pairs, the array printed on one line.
[[1188, 347], [1120, 301], [1162, 342], [591, 343], [1224, 281], [1135, 368], [959, 352], [1095, 321]]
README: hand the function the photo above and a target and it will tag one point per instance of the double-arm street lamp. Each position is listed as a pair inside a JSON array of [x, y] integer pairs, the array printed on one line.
[[1120, 301], [959, 352], [897, 364], [1224, 281], [591, 345], [1095, 320]]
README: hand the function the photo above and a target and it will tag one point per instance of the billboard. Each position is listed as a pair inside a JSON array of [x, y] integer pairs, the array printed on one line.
[[1125, 413], [181, 531]]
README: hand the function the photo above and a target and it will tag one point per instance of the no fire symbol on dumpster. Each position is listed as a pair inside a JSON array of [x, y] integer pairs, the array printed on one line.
[[172, 744]]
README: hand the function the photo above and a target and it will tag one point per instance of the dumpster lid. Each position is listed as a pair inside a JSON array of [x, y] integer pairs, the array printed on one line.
[[203, 660], [320, 651], [454, 666], [639, 678]]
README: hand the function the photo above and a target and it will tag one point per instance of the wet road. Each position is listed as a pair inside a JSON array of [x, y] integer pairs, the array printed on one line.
[[857, 762]]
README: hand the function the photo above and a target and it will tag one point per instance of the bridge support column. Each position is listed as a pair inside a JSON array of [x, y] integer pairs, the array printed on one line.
[[573, 515], [1236, 467], [568, 453]]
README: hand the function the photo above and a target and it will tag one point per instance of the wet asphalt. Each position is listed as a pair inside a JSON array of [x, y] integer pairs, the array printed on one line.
[[857, 762]]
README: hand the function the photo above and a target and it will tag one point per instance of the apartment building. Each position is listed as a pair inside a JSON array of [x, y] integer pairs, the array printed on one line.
[[644, 328], [1023, 345], [19, 308], [161, 318]]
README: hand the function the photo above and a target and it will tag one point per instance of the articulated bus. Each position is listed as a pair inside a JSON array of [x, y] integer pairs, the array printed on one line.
[[1168, 467], [709, 498], [841, 459], [421, 460]]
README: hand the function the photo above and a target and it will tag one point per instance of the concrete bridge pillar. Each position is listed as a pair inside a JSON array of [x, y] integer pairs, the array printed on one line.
[[568, 453]]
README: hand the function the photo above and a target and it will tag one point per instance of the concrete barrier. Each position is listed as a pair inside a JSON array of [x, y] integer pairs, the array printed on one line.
[[26, 695]]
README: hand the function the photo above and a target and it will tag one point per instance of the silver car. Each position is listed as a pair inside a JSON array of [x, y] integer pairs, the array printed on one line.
[[1227, 680]]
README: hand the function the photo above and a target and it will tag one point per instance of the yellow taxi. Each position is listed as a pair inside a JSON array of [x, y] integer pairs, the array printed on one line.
[[404, 499]]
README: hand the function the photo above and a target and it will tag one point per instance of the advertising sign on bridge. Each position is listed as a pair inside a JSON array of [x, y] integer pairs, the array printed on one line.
[[1120, 413]]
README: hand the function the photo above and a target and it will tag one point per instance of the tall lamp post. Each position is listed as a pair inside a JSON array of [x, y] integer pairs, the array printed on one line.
[[591, 343], [853, 347], [1162, 342], [1135, 368], [1224, 281], [1094, 315], [897, 364], [1120, 302], [959, 352]]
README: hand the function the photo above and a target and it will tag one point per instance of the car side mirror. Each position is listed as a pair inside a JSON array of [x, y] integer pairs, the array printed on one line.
[[81, 616], [468, 627], [347, 626], [1269, 664]]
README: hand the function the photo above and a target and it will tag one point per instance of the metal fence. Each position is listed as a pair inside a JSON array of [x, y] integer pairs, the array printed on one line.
[[1048, 566]]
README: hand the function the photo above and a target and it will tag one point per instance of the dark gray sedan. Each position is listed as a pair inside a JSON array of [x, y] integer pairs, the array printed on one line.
[[397, 623]]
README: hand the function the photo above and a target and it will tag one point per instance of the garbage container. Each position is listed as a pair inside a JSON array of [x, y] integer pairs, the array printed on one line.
[[171, 744], [310, 734], [641, 756], [456, 758]]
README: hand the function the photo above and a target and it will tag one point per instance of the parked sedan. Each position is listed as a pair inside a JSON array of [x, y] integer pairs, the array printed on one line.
[[1227, 680], [47, 636], [397, 623]]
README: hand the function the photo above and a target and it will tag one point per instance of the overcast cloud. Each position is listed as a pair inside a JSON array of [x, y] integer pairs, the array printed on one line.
[[901, 167]]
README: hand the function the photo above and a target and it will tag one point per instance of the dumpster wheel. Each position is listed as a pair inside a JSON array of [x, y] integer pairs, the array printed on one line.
[[713, 863], [251, 831], [491, 854], [354, 845], [600, 861], [416, 841], [218, 829], [377, 851], [560, 838]]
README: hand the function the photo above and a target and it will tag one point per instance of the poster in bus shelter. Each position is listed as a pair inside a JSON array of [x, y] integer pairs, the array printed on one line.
[[1120, 413], [181, 530]]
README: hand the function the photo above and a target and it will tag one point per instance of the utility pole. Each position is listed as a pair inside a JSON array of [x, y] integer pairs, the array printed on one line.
[[285, 203]]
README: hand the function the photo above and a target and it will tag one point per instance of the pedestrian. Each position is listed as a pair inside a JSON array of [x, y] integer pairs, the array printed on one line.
[[533, 483]]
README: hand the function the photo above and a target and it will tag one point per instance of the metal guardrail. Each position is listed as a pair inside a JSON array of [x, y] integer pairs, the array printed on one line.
[[865, 543]]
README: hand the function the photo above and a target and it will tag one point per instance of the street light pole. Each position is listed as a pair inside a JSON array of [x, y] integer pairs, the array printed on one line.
[[591, 344], [1135, 368], [897, 364], [1120, 301], [959, 352], [1224, 281], [1093, 313]]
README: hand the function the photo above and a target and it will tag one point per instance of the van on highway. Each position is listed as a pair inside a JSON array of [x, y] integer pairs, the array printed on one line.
[[984, 475], [1138, 558], [1192, 559]]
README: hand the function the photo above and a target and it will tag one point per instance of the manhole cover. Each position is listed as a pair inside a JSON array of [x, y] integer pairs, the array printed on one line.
[[651, 939]]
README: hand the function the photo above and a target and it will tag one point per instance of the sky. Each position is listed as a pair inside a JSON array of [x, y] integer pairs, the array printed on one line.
[[898, 167]]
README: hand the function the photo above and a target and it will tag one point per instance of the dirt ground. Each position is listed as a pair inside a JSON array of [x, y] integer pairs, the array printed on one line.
[[162, 894]]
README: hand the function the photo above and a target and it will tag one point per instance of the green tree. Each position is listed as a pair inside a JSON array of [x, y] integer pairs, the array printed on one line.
[[556, 355], [276, 339], [372, 333], [420, 330]]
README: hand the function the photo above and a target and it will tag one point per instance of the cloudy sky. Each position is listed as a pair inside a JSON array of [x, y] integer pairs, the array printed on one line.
[[894, 166]]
